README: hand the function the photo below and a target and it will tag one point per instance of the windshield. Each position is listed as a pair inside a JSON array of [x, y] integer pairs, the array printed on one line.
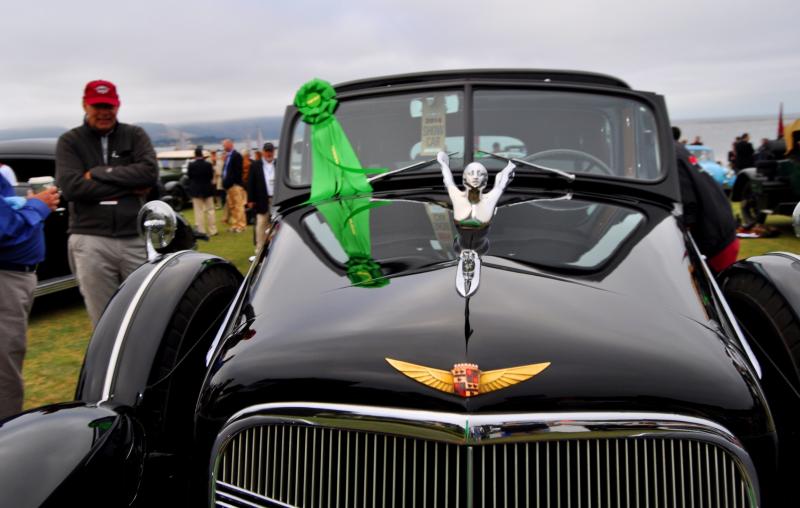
[[581, 133], [573, 132]]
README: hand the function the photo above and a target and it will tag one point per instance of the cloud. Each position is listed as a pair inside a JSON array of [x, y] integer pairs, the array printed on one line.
[[206, 60]]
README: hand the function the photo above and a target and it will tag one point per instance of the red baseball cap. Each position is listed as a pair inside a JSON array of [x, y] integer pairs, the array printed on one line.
[[100, 92]]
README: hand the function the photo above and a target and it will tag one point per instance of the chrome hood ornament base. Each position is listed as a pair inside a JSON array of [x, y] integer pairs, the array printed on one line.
[[468, 273]]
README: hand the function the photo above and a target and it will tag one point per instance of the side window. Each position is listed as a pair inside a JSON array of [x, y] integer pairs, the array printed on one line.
[[300, 156]]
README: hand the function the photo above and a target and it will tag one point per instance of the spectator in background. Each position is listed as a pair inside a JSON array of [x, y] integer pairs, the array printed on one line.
[[8, 174], [732, 153], [697, 141], [21, 249], [246, 162], [707, 213], [744, 153], [764, 151], [234, 185], [201, 189], [216, 163], [259, 191], [105, 169]]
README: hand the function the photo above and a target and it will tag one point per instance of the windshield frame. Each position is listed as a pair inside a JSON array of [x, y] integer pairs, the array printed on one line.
[[663, 187]]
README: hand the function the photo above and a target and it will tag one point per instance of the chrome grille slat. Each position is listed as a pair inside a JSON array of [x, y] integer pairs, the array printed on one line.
[[301, 465]]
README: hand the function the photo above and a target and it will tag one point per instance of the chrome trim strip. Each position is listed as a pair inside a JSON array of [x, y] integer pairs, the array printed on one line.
[[496, 428], [727, 310], [224, 325], [55, 285], [783, 253], [250, 494], [122, 333]]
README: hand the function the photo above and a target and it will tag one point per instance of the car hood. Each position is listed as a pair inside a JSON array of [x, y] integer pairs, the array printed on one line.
[[630, 332]]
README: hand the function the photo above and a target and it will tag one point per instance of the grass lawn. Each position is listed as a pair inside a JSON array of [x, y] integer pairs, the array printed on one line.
[[60, 329]]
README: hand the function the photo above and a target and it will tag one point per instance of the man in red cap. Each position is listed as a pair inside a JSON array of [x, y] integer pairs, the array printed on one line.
[[105, 169]]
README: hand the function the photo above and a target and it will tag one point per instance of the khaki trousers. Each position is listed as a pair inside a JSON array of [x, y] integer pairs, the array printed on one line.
[[236, 200], [262, 223], [16, 299], [204, 219], [101, 263]]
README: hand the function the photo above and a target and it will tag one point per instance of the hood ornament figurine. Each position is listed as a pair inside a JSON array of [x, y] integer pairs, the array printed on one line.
[[471, 207], [472, 212]]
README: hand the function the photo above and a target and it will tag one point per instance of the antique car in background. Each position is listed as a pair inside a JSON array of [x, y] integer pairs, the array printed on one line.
[[172, 166], [549, 335], [773, 185], [31, 158], [704, 156]]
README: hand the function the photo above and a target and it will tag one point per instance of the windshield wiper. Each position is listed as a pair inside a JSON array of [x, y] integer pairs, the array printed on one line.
[[416, 165], [563, 174]]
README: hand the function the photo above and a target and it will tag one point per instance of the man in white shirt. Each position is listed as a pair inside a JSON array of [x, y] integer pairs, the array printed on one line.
[[260, 185]]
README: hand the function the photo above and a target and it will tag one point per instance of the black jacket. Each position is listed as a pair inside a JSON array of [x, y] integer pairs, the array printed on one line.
[[233, 174], [200, 173], [744, 155], [257, 187], [706, 210], [106, 205]]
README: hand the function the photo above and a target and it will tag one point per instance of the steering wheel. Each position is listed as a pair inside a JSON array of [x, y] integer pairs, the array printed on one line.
[[594, 162]]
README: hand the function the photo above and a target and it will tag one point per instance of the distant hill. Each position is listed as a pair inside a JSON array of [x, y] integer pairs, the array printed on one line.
[[170, 134], [270, 127], [31, 132]]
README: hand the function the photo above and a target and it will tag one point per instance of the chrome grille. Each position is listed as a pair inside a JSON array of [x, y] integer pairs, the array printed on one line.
[[300, 465]]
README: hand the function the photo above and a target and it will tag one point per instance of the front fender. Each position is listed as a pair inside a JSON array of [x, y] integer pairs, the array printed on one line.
[[127, 338], [70, 454]]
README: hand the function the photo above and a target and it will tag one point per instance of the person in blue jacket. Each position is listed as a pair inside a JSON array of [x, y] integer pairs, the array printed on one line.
[[21, 249]]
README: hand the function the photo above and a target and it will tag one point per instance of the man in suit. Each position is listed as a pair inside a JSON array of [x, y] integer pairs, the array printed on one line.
[[201, 189], [744, 153], [234, 185], [260, 186]]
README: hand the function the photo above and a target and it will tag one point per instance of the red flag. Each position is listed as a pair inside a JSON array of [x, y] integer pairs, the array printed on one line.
[[780, 122]]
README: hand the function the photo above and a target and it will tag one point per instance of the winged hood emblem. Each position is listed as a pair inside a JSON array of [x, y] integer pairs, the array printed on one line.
[[466, 379]]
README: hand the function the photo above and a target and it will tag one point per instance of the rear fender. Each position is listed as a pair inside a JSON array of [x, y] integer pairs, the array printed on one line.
[[68, 454], [127, 338], [781, 272], [779, 269]]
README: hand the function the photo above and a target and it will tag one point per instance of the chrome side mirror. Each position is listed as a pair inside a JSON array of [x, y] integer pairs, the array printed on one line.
[[156, 224], [796, 220]]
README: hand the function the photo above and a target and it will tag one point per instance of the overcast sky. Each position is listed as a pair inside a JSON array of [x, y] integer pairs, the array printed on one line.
[[207, 60]]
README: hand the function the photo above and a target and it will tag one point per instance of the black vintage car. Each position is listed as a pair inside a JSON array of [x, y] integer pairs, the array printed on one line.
[[404, 341], [30, 158]]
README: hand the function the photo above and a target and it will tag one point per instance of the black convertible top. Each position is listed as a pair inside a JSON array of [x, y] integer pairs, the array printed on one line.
[[28, 148], [528, 75]]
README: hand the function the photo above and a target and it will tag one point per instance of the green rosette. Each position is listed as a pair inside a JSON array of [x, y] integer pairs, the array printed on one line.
[[316, 101], [365, 272]]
